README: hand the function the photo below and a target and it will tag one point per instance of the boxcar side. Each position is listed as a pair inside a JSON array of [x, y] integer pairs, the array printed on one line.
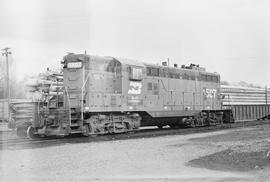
[[246, 103]]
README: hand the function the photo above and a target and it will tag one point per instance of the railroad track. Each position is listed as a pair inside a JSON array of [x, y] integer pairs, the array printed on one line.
[[17, 143], [22, 143]]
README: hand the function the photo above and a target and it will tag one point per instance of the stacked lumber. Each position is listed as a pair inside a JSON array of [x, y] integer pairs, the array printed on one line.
[[42, 89], [46, 84], [22, 112], [237, 95]]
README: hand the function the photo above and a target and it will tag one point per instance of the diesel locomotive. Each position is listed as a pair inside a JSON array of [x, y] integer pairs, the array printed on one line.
[[113, 95]]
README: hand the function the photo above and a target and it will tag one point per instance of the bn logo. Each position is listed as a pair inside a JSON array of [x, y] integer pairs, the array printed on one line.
[[135, 88]]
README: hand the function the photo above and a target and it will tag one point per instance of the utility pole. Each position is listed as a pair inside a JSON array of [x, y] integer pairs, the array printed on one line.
[[5, 53]]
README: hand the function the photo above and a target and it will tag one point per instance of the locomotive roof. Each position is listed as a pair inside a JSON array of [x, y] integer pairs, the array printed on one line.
[[178, 69], [123, 61], [130, 62]]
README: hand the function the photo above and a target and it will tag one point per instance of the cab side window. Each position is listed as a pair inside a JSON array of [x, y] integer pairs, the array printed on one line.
[[135, 73]]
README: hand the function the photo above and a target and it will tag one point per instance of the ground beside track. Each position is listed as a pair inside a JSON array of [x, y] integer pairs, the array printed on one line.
[[237, 154], [243, 150]]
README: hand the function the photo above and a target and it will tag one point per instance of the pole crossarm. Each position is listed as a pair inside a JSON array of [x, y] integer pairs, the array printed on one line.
[[6, 51]]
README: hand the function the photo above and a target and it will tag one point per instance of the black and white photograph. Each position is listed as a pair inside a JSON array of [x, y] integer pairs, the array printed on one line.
[[135, 90]]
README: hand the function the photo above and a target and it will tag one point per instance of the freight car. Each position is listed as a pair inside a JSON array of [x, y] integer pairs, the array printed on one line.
[[113, 95], [4, 109], [246, 103], [22, 114]]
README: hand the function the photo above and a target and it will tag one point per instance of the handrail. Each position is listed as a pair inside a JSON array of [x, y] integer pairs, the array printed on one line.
[[82, 94], [69, 112]]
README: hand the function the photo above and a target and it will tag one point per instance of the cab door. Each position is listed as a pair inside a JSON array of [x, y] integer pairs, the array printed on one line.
[[73, 82]]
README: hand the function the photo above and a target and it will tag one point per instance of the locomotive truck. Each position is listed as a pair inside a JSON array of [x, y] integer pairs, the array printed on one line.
[[103, 94]]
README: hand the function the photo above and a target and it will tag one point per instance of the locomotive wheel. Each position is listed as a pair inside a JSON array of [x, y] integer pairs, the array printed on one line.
[[86, 130], [128, 127], [30, 133]]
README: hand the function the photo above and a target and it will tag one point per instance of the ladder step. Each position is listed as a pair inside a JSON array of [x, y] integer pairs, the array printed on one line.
[[74, 124], [75, 131]]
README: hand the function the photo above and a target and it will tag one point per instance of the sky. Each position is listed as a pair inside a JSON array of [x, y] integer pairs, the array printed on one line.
[[231, 37]]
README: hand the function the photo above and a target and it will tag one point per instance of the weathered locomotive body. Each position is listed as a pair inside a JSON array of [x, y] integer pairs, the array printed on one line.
[[112, 95]]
